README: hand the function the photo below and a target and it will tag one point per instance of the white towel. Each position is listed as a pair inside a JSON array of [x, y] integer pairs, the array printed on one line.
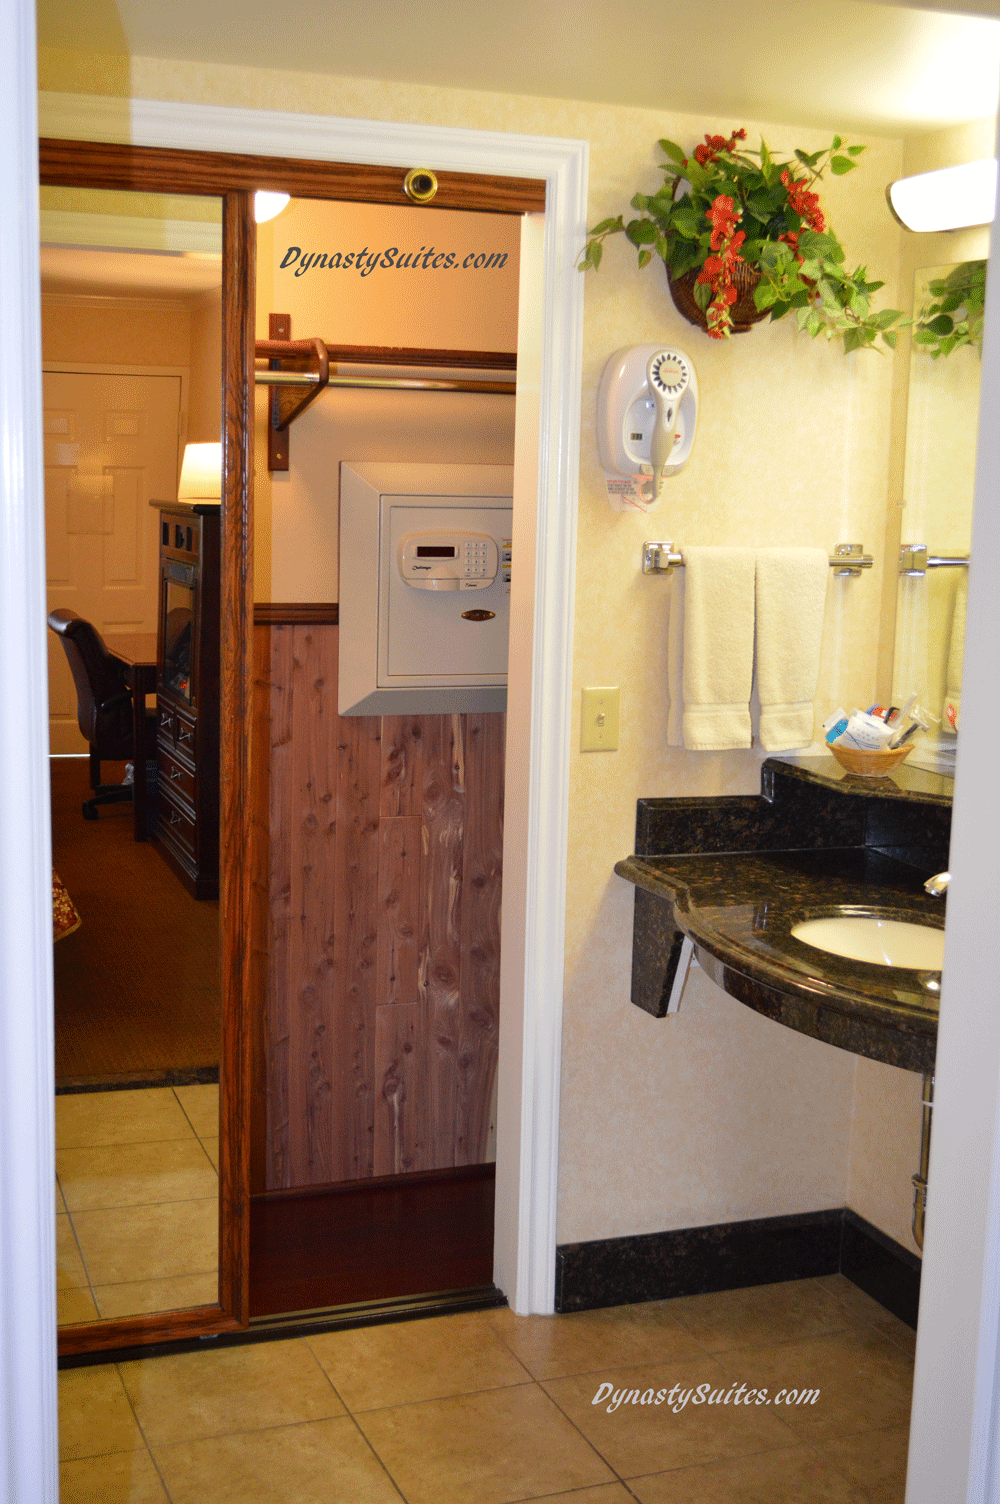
[[956, 652], [718, 648], [791, 597], [675, 660]]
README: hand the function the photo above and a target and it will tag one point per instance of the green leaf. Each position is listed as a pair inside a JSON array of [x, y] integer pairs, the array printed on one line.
[[924, 337], [853, 339], [887, 316], [942, 325], [835, 143], [840, 165], [702, 295], [765, 296], [608, 226], [891, 338], [688, 222], [855, 151], [645, 257], [641, 232], [672, 150]]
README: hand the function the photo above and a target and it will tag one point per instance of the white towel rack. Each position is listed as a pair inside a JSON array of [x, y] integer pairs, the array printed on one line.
[[847, 559]]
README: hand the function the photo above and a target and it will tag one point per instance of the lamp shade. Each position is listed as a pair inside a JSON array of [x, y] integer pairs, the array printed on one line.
[[951, 198], [201, 473]]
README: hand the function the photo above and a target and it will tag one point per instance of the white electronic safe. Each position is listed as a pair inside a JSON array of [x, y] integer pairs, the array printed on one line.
[[425, 560]]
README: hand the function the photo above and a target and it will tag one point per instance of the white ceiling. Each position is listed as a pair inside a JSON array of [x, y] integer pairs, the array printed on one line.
[[846, 64], [108, 273]]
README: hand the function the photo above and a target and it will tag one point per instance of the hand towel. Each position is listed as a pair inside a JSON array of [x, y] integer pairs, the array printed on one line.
[[675, 660], [956, 652], [718, 648], [791, 597]]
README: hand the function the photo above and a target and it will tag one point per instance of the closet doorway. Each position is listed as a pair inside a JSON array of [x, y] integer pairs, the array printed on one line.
[[381, 852], [235, 179]]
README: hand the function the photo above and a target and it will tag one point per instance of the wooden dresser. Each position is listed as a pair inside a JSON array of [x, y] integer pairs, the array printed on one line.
[[187, 694]]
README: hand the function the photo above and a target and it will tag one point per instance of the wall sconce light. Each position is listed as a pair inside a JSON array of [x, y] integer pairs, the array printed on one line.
[[268, 205], [201, 473], [950, 199]]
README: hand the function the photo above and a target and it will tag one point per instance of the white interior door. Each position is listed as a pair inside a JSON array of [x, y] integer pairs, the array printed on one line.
[[111, 446]]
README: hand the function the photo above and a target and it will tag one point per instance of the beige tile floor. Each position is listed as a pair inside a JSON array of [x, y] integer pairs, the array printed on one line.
[[136, 1201], [492, 1408]]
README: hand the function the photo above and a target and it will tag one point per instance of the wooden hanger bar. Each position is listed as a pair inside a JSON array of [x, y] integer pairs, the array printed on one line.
[[393, 355], [285, 407]]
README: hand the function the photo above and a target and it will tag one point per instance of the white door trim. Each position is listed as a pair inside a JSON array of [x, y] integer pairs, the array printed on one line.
[[28, 1419], [545, 499], [954, 1444]]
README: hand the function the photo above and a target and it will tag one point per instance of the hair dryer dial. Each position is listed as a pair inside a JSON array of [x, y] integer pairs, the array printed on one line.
[[668, 377]]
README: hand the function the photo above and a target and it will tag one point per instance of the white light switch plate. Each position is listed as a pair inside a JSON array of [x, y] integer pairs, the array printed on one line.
[[599, 720]]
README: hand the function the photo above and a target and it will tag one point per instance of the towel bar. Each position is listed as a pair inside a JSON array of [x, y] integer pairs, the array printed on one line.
[[915, 560], [847, 559]]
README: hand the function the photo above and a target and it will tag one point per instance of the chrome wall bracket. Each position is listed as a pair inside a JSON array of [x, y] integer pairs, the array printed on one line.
[[661, 558], [915, 560], [849, 559]]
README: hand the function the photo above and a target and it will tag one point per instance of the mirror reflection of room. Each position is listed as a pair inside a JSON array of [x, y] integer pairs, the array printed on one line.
[[131, 348], [941, 426]]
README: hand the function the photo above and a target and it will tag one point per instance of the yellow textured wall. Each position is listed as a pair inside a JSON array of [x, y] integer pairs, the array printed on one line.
[[717, 1113], [102, 331], [205, 398]]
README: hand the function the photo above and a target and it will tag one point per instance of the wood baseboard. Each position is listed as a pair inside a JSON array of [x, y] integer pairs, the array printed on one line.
[[296, 614], [386, 1238]]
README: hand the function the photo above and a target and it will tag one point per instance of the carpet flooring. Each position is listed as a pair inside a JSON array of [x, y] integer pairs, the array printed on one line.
[[137, 986]]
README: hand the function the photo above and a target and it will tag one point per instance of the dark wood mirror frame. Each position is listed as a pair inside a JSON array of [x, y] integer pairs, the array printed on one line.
[[234, 179]]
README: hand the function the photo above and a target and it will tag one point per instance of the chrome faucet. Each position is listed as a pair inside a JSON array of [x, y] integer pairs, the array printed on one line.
[[937, 885]]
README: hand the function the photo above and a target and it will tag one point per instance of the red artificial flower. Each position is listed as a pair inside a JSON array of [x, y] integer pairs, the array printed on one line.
[[792, 239], [804, 203], [723, 217], [714, 144]]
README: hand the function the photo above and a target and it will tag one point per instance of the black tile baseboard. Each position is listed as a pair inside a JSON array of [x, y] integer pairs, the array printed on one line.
[[733, 1255], [881, 1267]]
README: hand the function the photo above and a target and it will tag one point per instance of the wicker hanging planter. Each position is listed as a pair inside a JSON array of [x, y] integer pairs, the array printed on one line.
[[744, 311]]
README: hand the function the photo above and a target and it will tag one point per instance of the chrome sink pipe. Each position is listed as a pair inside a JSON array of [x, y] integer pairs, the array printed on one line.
[[936, 886], [920, 1179]]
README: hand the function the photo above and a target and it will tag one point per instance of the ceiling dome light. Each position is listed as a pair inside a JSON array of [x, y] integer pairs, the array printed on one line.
[[950, 199], [267, 205]]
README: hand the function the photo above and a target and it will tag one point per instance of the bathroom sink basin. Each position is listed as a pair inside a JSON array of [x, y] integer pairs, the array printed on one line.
[[885, 942]]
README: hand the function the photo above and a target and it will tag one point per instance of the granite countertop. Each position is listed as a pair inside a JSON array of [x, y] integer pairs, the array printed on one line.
[[768, 862]]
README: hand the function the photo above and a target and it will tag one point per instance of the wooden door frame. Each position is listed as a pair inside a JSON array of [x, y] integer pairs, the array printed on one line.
[[71, 165], [234, 178]]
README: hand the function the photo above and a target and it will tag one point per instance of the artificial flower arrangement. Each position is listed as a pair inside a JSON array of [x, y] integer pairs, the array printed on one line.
[[741, 234], [955, 317]]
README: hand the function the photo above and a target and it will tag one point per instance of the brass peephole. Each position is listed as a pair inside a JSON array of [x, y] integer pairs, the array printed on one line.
[[420, 185]]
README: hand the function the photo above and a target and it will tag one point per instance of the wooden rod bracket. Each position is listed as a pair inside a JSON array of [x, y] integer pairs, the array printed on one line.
[[286, 405]]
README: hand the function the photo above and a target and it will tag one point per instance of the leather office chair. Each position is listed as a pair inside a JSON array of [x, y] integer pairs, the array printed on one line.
[[103, 704]]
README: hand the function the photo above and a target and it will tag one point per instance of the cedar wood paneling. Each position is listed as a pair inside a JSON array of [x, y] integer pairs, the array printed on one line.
[[377, 856]]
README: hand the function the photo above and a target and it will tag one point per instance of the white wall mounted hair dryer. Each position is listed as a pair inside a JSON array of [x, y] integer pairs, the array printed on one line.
[[647, 412]]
